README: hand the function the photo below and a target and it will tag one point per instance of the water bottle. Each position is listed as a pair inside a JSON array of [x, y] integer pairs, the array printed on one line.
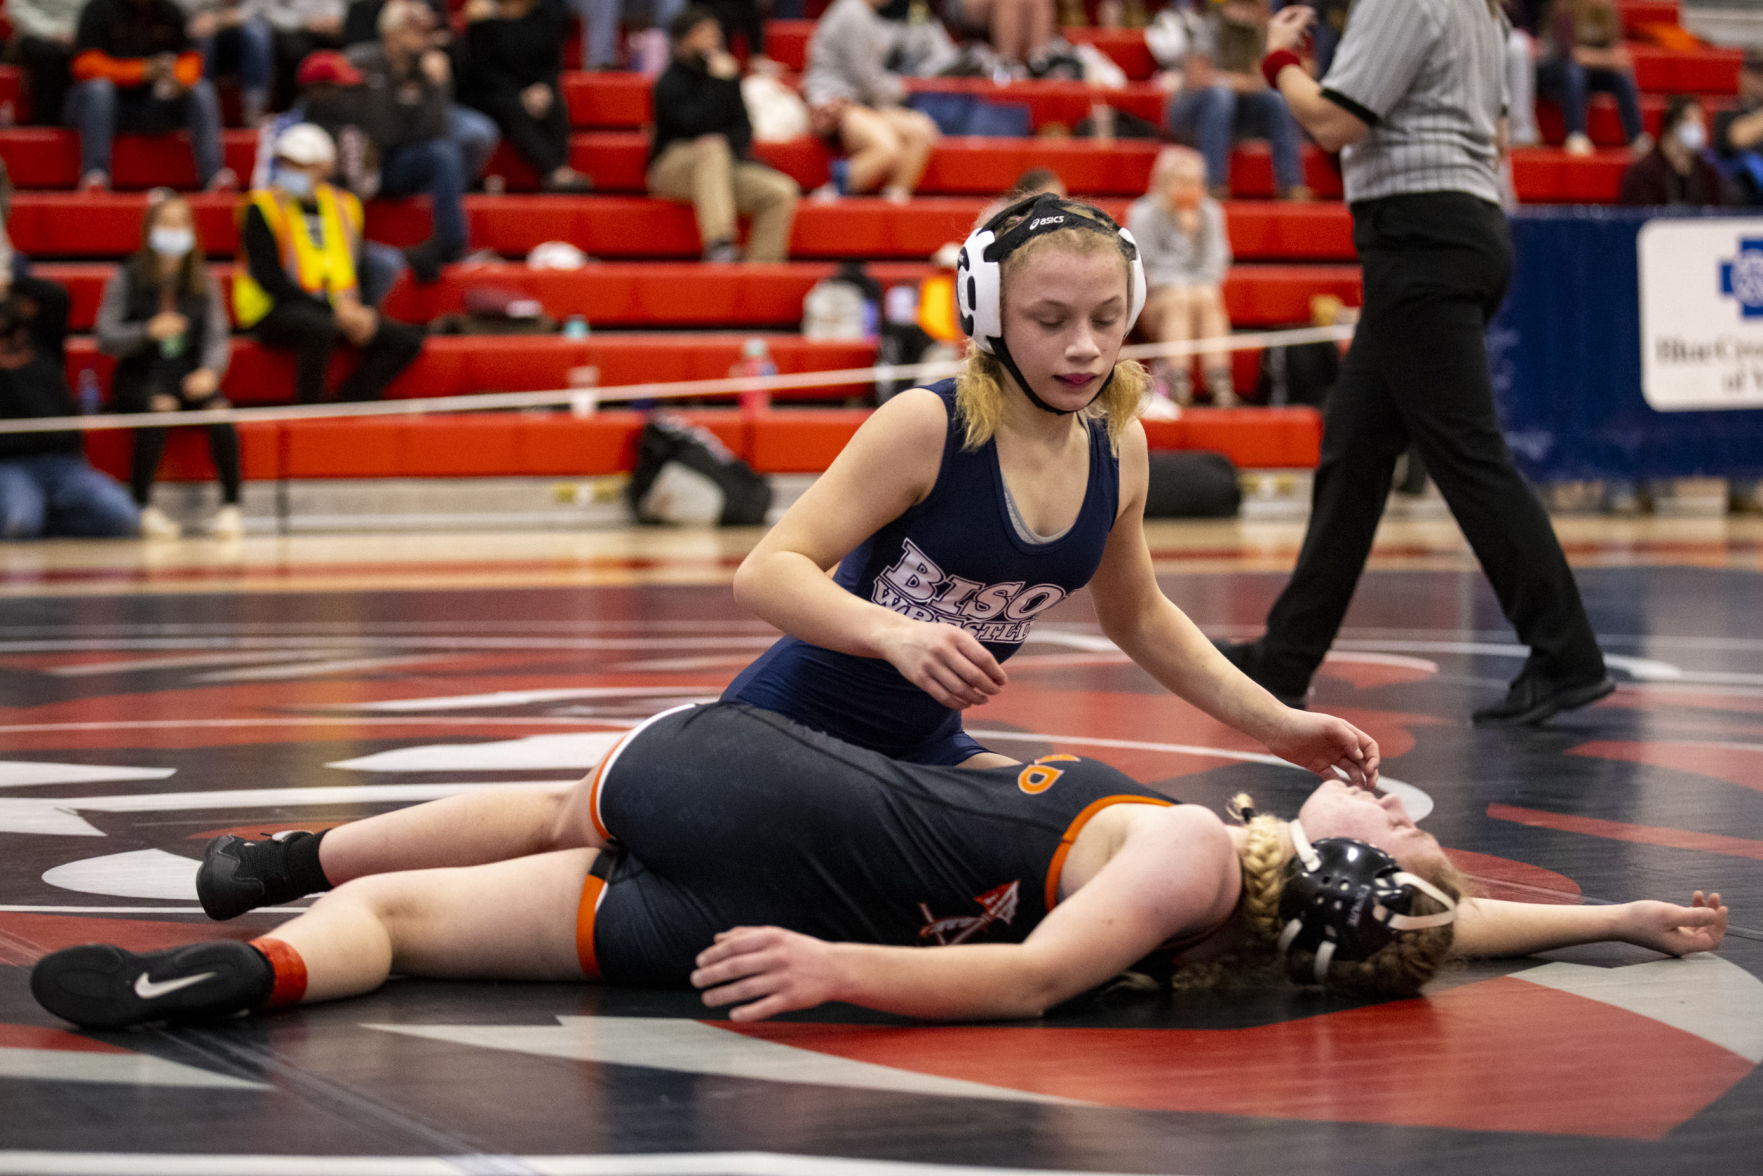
[[755, 363], [90, 394]]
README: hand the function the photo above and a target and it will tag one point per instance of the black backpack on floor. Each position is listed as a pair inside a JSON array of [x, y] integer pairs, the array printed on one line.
[[1192, 484], [684, 475]]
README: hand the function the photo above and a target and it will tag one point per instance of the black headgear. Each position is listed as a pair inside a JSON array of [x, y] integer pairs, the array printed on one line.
[[979, 273], [1345, 899]]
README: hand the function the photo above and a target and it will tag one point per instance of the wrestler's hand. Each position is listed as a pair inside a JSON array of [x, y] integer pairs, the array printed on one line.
[[1332, 748], [765, 971], [945, 662], [1676, 930]]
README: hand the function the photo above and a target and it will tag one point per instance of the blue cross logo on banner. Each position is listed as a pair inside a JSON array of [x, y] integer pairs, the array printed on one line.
[[1742, 277]]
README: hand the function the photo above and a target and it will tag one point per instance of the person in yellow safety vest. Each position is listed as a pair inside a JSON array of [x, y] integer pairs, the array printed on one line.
[[297, 283]]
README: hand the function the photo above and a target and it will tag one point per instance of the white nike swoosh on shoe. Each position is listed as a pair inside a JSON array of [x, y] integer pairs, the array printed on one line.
[[148, 989]]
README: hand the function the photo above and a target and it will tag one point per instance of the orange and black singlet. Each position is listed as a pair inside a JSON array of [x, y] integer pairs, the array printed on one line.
[[728, 815]]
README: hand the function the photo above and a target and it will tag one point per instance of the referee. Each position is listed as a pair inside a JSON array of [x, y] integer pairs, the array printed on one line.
[[1414, 102]]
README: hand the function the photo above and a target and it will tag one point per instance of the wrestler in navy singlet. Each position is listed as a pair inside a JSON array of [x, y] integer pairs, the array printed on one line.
[[956, 557], [726, 815]]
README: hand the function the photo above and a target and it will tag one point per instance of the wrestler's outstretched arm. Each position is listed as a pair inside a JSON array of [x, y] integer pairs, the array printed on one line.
[[1173, 876], [1494, 927], [1150, 629]]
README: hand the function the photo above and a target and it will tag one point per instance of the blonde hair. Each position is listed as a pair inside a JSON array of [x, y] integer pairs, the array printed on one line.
[[979, 387], [1397, 969]]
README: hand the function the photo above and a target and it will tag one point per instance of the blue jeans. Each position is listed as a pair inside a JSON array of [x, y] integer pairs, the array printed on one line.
[[476, 134], [1567, 83], [436, 168], [1213, 117], [248, 50], [599, 20], [98, 109], [59, 494], [380, 267]]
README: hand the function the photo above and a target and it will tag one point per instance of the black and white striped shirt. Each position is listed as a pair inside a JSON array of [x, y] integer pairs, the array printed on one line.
[[1429, 78]]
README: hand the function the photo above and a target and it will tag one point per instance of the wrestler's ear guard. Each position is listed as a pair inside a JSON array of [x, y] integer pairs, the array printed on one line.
[[979, 271]]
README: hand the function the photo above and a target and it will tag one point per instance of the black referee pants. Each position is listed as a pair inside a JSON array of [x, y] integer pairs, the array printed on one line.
[[1436, 266]]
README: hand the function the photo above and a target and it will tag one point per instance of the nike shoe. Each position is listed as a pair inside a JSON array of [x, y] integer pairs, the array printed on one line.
[[100, 986], [239, 875]]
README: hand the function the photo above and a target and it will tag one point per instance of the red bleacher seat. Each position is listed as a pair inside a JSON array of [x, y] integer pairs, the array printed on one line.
[[556, 444], [649, 294], [456, 365], [1714, 72], [109, 225], [48, 159]]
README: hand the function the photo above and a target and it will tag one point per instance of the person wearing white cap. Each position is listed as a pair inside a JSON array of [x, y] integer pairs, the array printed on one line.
[[298, 284]]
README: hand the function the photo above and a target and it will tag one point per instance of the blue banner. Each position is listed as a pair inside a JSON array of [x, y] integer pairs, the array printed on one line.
[[1567, 350]]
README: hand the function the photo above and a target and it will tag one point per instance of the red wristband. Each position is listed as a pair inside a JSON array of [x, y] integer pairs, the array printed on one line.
[[1276, 61]]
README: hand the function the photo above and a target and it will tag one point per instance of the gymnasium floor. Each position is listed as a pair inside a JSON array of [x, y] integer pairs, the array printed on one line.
[[153, 696]]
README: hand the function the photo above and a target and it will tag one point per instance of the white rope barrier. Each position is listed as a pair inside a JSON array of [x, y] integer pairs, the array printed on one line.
[[585, 398]]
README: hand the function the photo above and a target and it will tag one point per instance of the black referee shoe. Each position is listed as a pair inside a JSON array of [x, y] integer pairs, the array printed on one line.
[[1534, 698], [101, 986], [237, 875]]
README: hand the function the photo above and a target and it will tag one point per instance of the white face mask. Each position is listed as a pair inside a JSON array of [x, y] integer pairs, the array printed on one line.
[[1692, 136], [297, 184], [169, 241]]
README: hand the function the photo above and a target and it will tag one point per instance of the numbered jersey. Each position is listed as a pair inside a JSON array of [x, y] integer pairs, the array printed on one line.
[[726, 815], [959, 558]]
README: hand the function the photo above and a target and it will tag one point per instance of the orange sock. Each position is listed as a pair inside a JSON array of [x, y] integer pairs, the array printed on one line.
[[289, 969]]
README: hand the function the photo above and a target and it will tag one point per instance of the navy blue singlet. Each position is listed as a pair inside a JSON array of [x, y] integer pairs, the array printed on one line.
[[725, 815], [956, 557]]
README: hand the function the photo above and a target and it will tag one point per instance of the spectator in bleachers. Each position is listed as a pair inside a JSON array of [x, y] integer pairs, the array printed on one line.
[[331, 97], [742, 20], [297, 285], [135, 69], [162, 318], [856, 103], [1223, 98], [701, 152], [1521, 74], [427, 143], [600, 24], [1185, 250], [1738, 133], [361, 22], [299, 28], [44, 303], [42, 40], [514, 73], [47, 487], [235, 40], [1020, 31], [1675, 170], [1583, 52]]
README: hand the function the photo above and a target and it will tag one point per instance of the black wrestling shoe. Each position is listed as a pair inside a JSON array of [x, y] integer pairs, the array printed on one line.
[[1246, 656], [1533, 698], [239, 875], [100, 986]]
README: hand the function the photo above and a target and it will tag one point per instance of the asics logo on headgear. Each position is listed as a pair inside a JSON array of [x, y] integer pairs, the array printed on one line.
[[1045, 220]]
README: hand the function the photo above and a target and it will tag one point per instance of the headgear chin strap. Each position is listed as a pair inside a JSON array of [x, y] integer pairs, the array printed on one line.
[[1346, 899], [979, 274]]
